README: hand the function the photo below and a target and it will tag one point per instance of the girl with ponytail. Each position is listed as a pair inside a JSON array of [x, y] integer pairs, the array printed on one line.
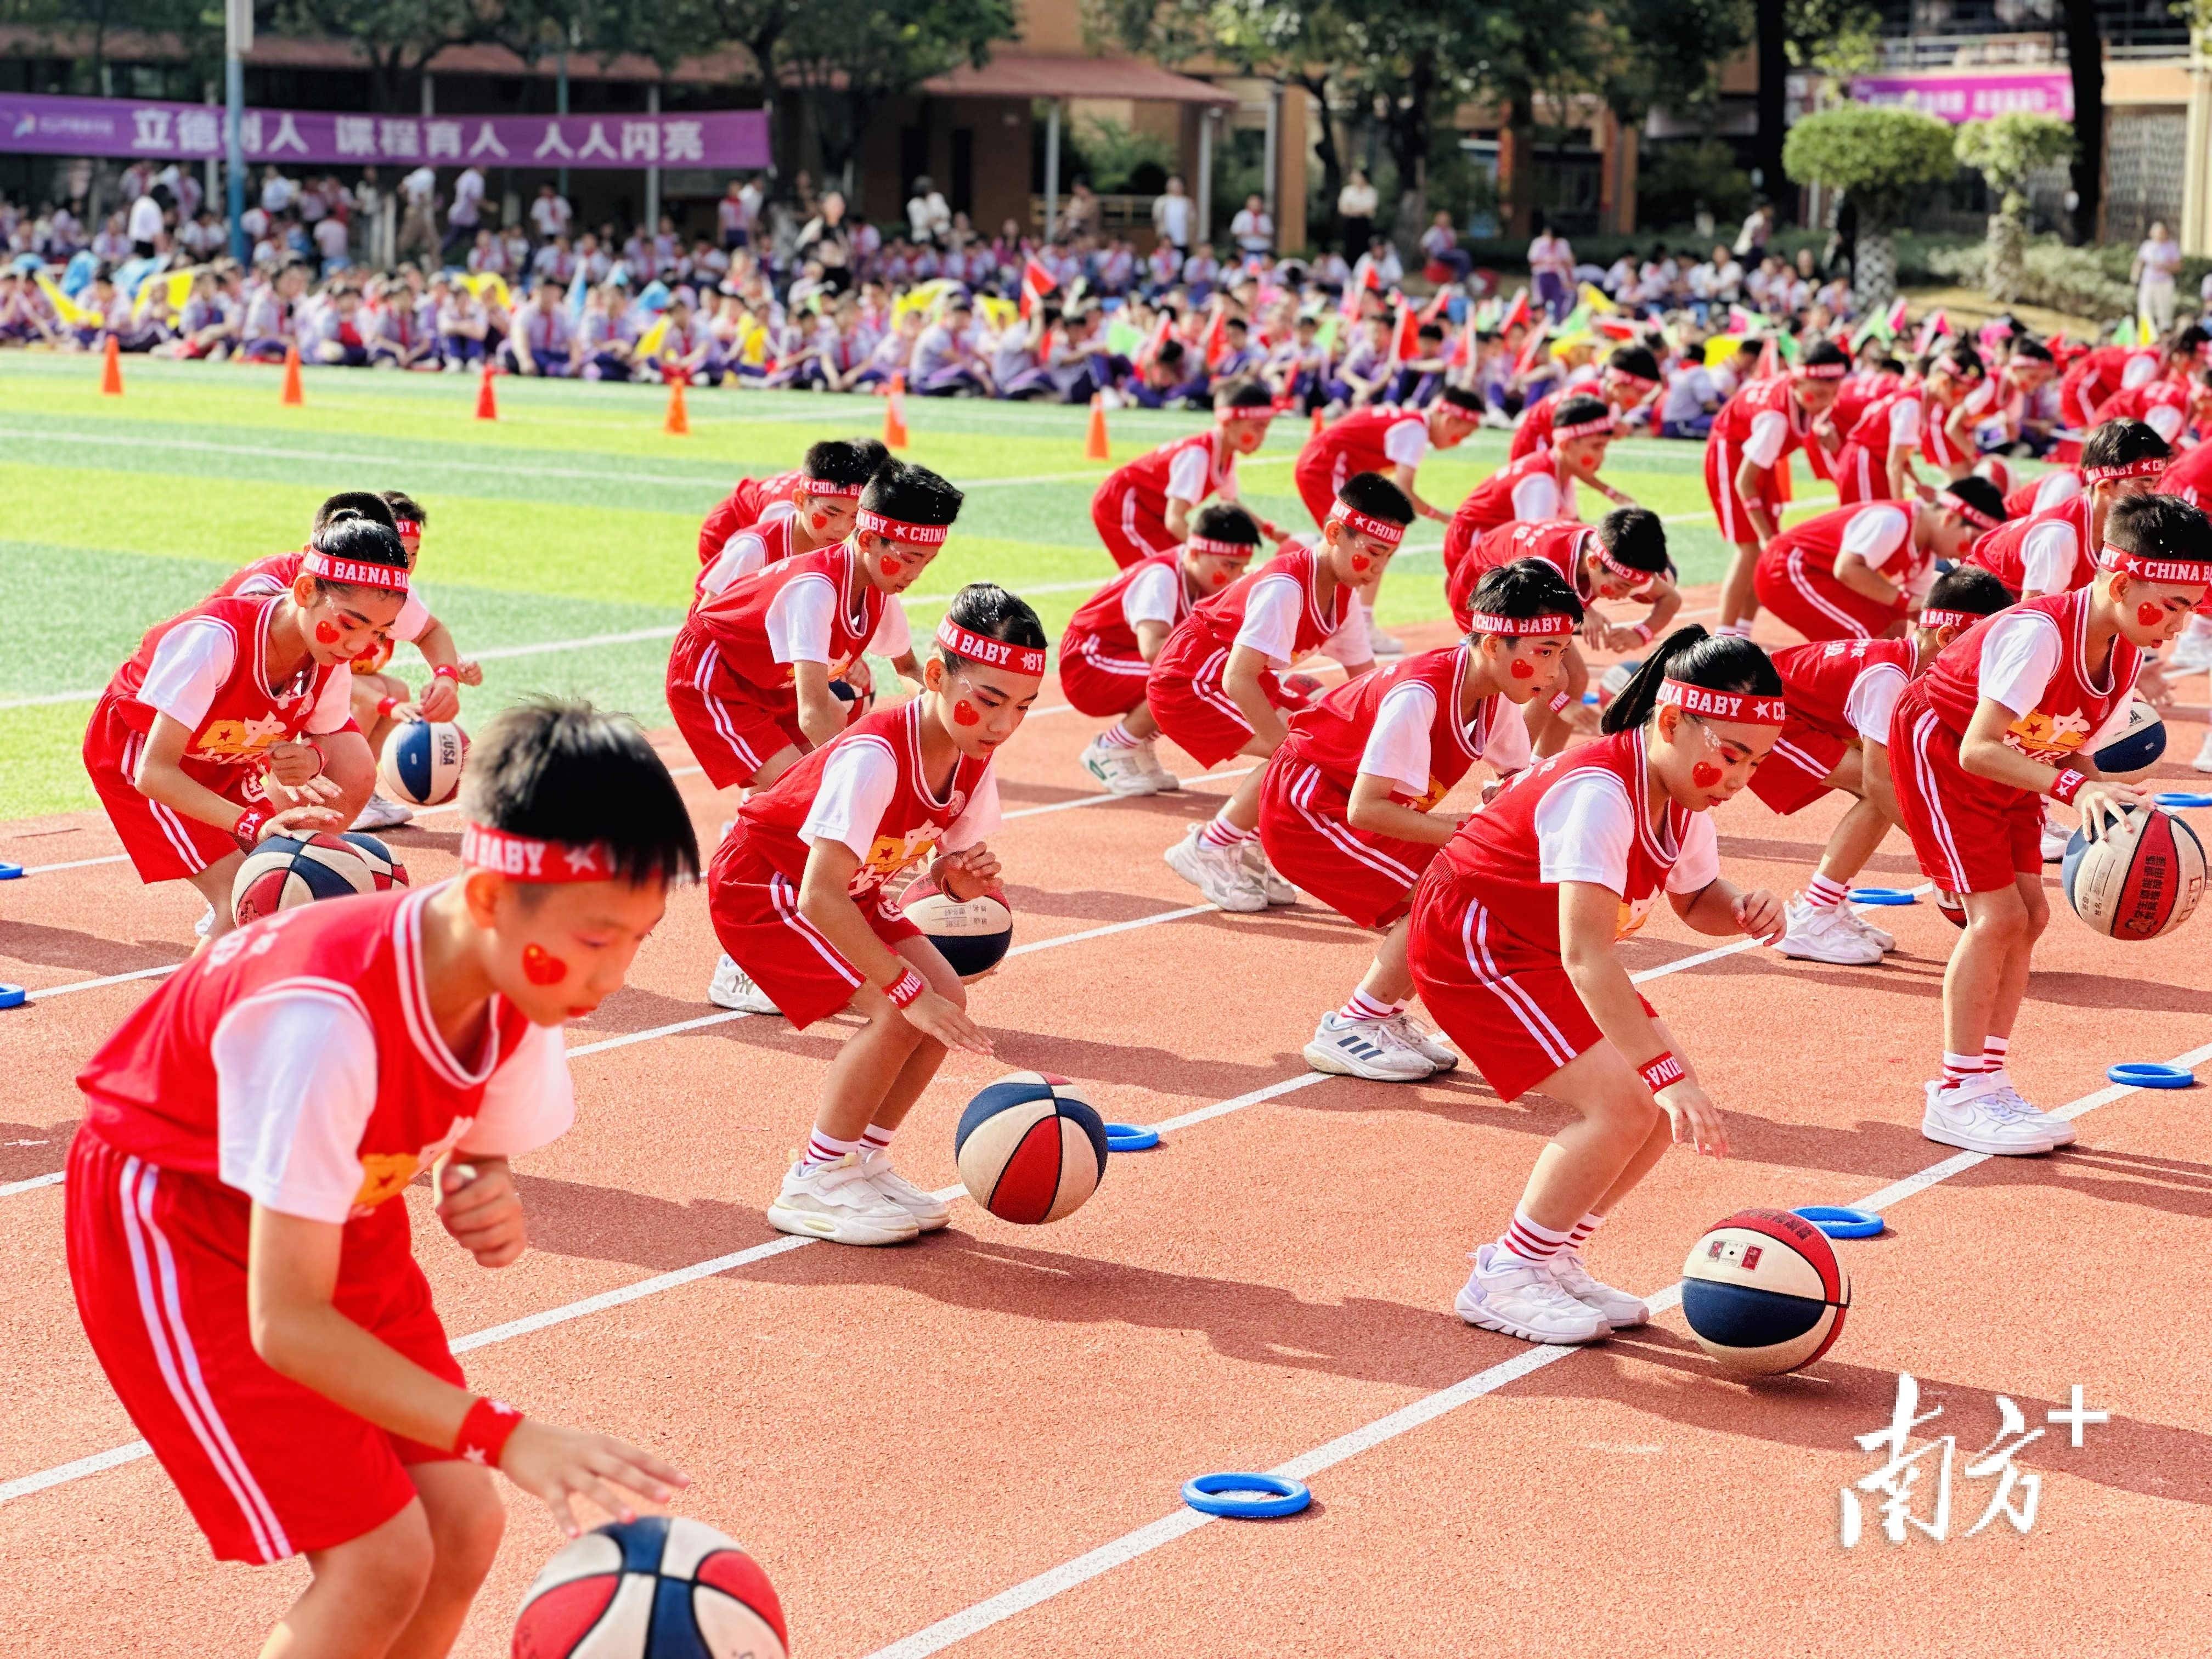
[[1514, 932]]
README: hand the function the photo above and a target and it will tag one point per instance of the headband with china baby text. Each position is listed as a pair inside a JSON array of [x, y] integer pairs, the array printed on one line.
[[1750, 708], [526, 858], [898, 529], [2188, 572], [989, 652], [354, 572], [1382, 530]]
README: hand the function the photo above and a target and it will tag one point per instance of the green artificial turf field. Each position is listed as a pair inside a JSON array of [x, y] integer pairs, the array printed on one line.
[[562, 539]]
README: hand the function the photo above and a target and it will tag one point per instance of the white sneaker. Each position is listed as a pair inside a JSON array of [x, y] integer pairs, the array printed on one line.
[[205, 923], [2055, 837], [1364, 1047], [1216, 871], [1118, 770], [838, 1202], [2192, 652], [733, 988], [1382, 644], [1148, 758], [1270, 881], [377, 814], [1974, 1115], [1621, 1309], [2203, 760], [1856, 919], [1415, 1036], [929, 1211], [1815, 934], [1504, 1293], [2060, 1129]]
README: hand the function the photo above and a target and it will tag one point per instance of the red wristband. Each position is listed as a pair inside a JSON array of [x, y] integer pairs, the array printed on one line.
[[248, 830], [905, 988], [2067, 785], [1642, 632], [485, 1430], [1659, 1073], [385, 705], [445, 670]]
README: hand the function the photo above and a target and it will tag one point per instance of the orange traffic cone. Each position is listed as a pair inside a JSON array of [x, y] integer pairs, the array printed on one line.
[[111, 373], [678, 424], [1316, 421], [895, 415], [1095, 447], [487, 400], [291, 396]]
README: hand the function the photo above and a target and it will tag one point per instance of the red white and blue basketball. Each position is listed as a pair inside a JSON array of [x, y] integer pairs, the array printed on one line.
[[1031, 1148], [659, 1587], [421, 762], [1763, 1294], [858, 698], [2141, 878], [971, 934], [1615, 679], [2141, 741], [285, 872]]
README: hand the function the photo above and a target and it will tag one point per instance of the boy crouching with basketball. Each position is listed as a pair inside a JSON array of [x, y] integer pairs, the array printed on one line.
[[238, 1237], [2008, 717]]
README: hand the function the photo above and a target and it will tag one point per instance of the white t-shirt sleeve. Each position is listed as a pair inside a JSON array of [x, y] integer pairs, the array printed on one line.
[[742, 554], [1874, 695], [1352, 644], [1407, 442], [1700, 866], [1271, 618], [894, 636], [854, 791], [1584, 828], [414, 618], [1536, 498], [1398, 746], [189, 667], [334, 707], [2055, 489], [1187, 475], [1876, 534], [2165, 420], [2046, 558], [296, 1082], [1151, 595], [801, 619], [1905, 424], [979, 820], [1769, 431], [2019, 654], [2139, 370], [1508, 747], [529, 1102]]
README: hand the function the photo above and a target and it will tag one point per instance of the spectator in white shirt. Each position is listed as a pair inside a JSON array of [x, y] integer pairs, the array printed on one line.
[[462, 217], [927, 216], [1253, 229], [1173, 214], [147, 216], [549, 213]]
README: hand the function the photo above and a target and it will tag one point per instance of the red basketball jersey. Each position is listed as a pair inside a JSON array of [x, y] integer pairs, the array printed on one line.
[[1332, 735], [1490, 504], [1817, 679], [2020, 503], [2000, 551], [2190, 476], [742, 508], [1817, 542], [1148, 475], [1354, 443], [1101, 617], [1871, 432], [2073, 706], [1214, 625], [774, 532], [1732, 426], [737, 618], [1562, 543], [274, 574], [1534, 430]]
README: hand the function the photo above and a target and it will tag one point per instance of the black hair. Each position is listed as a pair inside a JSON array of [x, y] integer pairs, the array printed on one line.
[[1376, 496], [561, 771], [1980, 493], [1461, 397], [1243, 394], [1170, 352], [358, 540], [2188, 340], [1819, 355], [1637, 537], [1225, 521], [2034, 348], [1634, 360], [1233, 321], [900, 490], [987, 608], [361, 503], [1573, 411], [2121, 443], [2160, 527], [1429, 331], [1526, 587], [1962, 360], [1970, 588], [1891, 366], [846, 460], [1719, 662]]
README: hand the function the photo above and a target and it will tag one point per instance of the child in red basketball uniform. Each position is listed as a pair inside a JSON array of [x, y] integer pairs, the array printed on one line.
[[1840, 695], [753, 498], [2055, 552], [2006, 718], [1513, 951], [1215, 689], [1348, 811], [1631, 375], [1753, 434], [1856, 573], [226, 723], [1106, 655], [1144, 509], [238, 1237], [798, 512], [797, 891], [1541, 485]]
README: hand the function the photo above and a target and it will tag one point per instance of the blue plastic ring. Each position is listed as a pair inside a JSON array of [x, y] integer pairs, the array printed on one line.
[[2151, 1074], [12, 871], [1130, 1137], [1211, 1494], [13, 996], [1841, 1221], [1884, 896], [2182, 798]]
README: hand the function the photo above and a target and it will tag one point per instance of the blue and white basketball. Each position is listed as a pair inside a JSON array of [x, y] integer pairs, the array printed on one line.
[[2139, 743], [1763, 1294], [1031, 1148], [659, 1587], [285, 872], [421, 762]]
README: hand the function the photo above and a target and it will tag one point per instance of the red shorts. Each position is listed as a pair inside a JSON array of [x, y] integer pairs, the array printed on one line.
[[1971, 836], [1721, 464], [1794, 772], [1860, 475], [732, 733], [1812, 601], [755, 915], [1196, 709], [164, 845], [1509, 1007], [1129, 525], [1097, 682], [269, 1469], [1363, 877], [1318, 484]]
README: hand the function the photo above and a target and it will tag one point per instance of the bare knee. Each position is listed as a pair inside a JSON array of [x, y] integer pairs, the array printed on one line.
[[466, 1521], [386, 1571]]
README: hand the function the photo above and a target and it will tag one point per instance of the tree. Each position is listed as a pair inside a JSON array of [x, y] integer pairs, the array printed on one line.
[[399, 37], [2085, 63], [2006, 152], [1886, 159]]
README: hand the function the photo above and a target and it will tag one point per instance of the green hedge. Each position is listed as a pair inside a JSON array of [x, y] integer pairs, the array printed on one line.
[[2083, 282]]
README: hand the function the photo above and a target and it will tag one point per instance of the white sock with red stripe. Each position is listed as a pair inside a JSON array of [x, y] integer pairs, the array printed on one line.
[[1221, 833], [1531, 1240], [1361, 1006], [1960, 1068], [1118, 736], [823, 1149], [876, 1140], [1824, 895], [1579, 1234], [1734, 631], [1994, 1050]]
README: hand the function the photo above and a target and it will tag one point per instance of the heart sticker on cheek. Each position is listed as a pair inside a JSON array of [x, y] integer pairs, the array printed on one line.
[[1523, 669], [2150, 616], [1704, 774], [1360, 562], [541, 967], [963, 712], [1220, 579], [329, 632], [889, 567]]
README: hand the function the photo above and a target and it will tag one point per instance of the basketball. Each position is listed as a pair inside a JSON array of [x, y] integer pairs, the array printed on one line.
[[972, 934], [1302, 691], [1763, 1294], [1951, 908], [858, 700], [2142, 740], [1031, 1148], [659, 1587], [1615, 679], [2140, 878], [286, 872], [421, 762]]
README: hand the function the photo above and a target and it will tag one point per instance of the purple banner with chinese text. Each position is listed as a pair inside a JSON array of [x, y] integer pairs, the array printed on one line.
[[1962, 98]]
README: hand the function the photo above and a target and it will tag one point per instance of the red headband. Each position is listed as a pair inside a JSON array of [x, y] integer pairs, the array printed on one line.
[[898, 529], [352, 572], [2147, 467], [822, 487], [1244, 412], [1627, 572], [1967, 510], [1949, 618], [1353, 519], [1824, 372], [1552, 624], [407, 527], [989, 652], [1584, 428], [524, 858], [2186, 571], [1225, 550], [1749, 708], [1622, 377]]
